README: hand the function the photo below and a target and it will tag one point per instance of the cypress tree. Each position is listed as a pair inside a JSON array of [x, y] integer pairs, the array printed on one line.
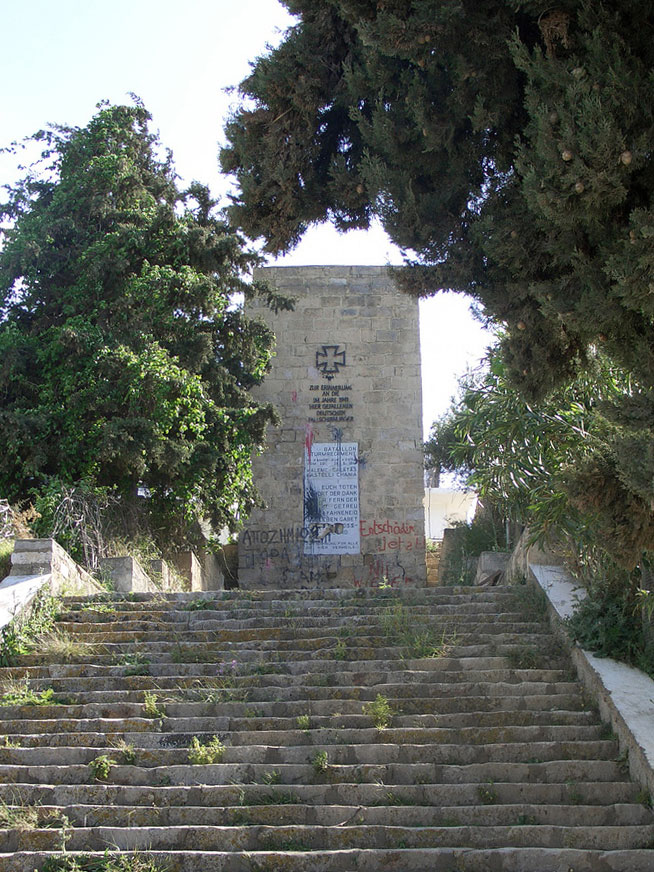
[[506, 147]]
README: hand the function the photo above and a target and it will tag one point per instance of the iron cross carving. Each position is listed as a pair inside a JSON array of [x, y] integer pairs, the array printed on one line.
[[330, 360]]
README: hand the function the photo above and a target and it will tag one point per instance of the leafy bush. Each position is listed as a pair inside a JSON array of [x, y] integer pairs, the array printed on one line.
[[124, 361], [609, 622]]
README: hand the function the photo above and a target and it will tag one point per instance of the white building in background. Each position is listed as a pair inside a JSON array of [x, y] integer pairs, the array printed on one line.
[[444, 506]]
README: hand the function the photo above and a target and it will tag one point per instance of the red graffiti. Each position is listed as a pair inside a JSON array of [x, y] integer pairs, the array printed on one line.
[[308, 441], [376, 528], [381, 572]]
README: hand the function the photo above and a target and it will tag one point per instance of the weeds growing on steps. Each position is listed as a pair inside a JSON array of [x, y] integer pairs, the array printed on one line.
[[196, 605], [273, 776], [209, 690], [20, 635], [525, 657], [135, 663], [20, 693], [150, 705], [270, 843], [98, 607], [30, 817], [414, 635], [487, 795], [106, 863], [101, 767], [379, 711], [320, 762], [59, 646], [529, 599], [200, 754], [273, 797], [126, 752]]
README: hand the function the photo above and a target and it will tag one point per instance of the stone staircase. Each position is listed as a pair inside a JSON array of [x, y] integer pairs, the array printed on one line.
[[489, 760]]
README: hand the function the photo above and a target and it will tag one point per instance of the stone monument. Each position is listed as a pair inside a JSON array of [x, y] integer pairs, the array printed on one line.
[[342, 476]]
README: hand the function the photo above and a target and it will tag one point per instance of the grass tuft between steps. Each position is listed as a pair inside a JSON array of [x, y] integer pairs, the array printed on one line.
[[19, 692], [25, 818], [105, 863]]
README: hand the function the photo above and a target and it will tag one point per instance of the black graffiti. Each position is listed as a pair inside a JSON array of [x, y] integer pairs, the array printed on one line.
[[282, 536]]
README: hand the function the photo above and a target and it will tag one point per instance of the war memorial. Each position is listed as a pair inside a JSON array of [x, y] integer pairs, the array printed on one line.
[[342, 475]]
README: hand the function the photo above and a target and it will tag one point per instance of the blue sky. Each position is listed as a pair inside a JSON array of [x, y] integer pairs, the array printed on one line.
[[61, 57]]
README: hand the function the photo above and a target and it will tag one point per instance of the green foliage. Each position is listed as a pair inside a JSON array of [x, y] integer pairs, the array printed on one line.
[[101, 767], [609, 622], [58, 646], [320, 762], [6, 550], [274, 797], [513, 161], [106, 863], [125, 365], [151, 705], [126, 752], [562, 465], [20, 693], [487, 794], [199, 605], [203, 754], [274, 776], [303, 722], [486, 532], [415, 636], [530, 599], [380, 712], [133, 660], [507, 147], [19, 635]]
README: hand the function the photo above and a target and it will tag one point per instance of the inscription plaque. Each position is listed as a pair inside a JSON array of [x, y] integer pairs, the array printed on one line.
[[331, 498]]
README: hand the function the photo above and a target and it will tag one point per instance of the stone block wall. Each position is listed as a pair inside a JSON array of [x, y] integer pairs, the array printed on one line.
[[342, 476]]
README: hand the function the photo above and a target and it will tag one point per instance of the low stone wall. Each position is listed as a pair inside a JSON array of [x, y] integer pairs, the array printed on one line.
[[127, 575], [625, 695], [34, 557], [38, 564]]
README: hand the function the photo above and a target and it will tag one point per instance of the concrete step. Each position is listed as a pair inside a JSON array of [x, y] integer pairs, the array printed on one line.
[[360, 746], [376, 860], [337, 716], [301, 773], [282, 627], [292, 812], [302, 597], [435, 674], [363, 836], [433, 796]]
